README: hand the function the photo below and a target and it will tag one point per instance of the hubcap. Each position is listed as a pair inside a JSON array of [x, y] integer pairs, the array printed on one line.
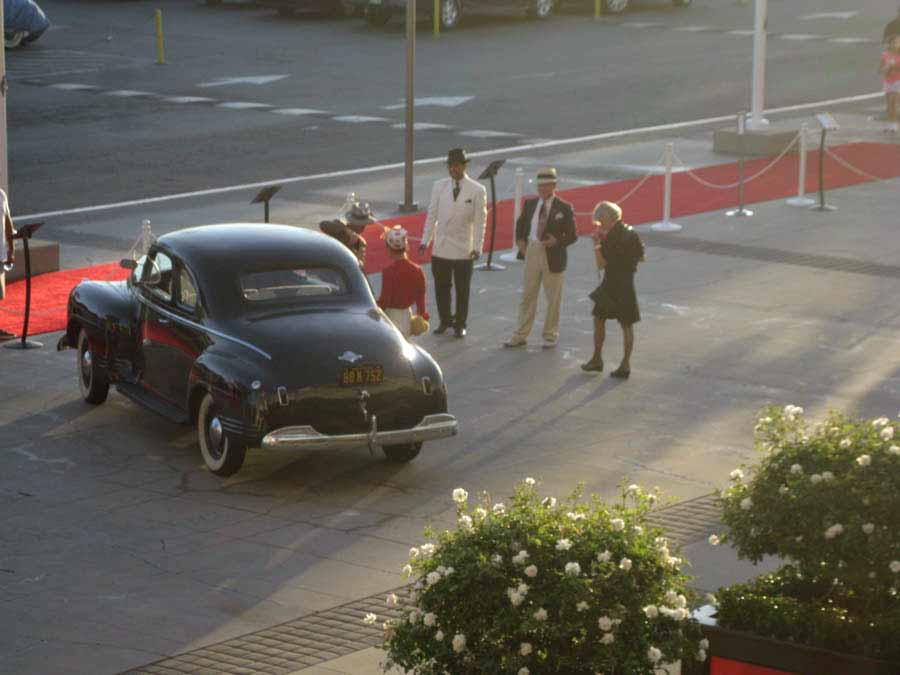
[[216, 435], [544, 7], [616, 5], [450, 14], [86, 361]]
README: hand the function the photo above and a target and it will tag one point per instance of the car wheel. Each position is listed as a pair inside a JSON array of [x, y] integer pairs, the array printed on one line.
[[542, 9], [92, 379], [402, 453], [222, 454], [451, 10], [614, 6]]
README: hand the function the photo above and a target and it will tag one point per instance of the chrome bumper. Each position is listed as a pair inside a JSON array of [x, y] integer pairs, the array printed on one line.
[[430, 428]]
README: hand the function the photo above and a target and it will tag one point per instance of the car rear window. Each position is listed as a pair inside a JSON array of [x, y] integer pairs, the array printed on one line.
[[291, 285]]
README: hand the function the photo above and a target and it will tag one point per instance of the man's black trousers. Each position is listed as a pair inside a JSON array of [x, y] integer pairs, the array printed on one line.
[[447, 272]]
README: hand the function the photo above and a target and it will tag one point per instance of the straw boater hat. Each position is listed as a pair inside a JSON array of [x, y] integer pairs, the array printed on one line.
[[546, 176]]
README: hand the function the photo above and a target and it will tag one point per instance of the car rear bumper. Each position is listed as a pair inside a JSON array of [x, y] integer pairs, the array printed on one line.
[[432, 427]]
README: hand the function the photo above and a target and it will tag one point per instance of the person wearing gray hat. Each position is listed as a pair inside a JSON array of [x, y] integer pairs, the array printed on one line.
[[543, 232], [456, 221]]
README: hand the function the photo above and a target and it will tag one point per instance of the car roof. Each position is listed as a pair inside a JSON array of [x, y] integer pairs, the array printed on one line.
[[211, 250]]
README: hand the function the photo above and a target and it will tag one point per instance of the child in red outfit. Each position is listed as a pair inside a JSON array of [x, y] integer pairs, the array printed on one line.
[[890, 74], [402, 283]]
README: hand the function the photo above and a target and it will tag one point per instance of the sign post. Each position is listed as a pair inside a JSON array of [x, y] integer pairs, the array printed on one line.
[[758, 95], [491, 172], [828, 123], [408, 205]]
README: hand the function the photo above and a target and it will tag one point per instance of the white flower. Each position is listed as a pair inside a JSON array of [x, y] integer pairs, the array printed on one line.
[[571, 515], [563, 545], [525, 648], [429, 619], [439, 636], [895, 566], [704, 644], [498, 509], [894, 450], [701, 655], [540, 615], [522, 589], [887, 433], [765, 420], [573, 569], [654, 654], [714, 540], [607, 639], [549, 501], [459, 642], [370, 619], [737, 474], [834, 531], [746, 503], [480, 513], [605, 623], [633, 489], [671, 597], [531, 571], [426, 550], [414, 616], [792, 411], [465, 522], [711, 600], [880, 422], [413, 552], [864, 460], [581, 606], [651, 611], [816, 479], [625, 564], [868, 528], [827, 476], [638, 529], [515, 598], [530, 481], [460, 496], [432, 578], [449, 571], [617, 524], [496, 558], [604, 557], [520, 558], [524, 671], [783, 490], [796, 469], [845, 443], [392, 600], [407, 570]]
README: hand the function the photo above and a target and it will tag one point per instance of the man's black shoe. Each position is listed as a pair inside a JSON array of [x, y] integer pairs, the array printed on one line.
[[441, 329], [459, 333]]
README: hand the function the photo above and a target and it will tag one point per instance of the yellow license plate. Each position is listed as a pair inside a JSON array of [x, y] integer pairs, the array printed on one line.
[[362, 376]]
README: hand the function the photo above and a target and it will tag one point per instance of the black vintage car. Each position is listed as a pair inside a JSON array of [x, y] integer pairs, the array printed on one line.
[[263, 336]]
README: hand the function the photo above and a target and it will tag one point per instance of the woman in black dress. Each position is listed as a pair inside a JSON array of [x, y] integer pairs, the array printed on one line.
[[618, 250]]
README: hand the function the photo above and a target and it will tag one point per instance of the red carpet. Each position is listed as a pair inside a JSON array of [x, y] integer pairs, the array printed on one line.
[[51, 291]]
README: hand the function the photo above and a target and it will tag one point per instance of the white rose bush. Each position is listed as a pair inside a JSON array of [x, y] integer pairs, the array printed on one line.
[[824, 498], [546, 586]]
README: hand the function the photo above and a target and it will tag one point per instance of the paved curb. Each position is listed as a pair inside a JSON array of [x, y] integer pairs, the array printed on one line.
[[332, 633]]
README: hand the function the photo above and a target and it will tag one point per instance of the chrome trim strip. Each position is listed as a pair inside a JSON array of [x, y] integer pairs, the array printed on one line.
[[201, 327], [432, 427]]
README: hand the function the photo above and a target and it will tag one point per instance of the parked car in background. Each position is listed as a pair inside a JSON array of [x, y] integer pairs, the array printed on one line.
[[292, 7], [23, 22], [260, 336], [619, 6]]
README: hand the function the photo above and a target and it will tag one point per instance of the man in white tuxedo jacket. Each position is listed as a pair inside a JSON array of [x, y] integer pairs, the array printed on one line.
[[456, 219]]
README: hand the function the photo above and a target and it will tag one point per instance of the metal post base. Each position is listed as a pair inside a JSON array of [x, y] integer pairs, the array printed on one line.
[[23, 344], [823, 207], [741, 212], [800, 201], [510, 257], [407, 208], [489, 267], [665, 226]]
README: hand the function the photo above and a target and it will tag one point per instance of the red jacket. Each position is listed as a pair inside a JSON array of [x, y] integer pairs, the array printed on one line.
[[403, 285]]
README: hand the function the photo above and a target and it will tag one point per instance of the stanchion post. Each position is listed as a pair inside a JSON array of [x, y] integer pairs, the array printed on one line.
[[827, 122], [801, 199], [740, 211], [160, 46], [666, 224], [437, 18], [514, 255], [25, 232]]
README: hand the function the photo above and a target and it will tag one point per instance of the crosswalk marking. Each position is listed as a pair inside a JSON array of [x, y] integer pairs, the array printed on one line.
[[485, 133], [829, 15], [742, 33], [800, 37], [187, 99], [851, 40], [642, 24], [359, 119], [297, 111], [242, 105], [66, 86], [694, 29], [423, 126], [126, 93]]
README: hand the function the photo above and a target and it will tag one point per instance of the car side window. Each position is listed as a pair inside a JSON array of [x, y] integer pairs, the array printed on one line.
[[187, 292], [158, 278]]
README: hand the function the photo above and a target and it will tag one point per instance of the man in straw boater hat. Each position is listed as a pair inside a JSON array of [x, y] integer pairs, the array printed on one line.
[[618, 250], [543, 232], [456, 218], [348, 229]]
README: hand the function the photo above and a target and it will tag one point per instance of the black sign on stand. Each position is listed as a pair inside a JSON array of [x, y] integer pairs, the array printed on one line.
[[827, 123], [264, 196], [25, 233], [491, 172]]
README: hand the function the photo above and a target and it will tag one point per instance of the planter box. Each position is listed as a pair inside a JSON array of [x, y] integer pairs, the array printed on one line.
[[736, 653]]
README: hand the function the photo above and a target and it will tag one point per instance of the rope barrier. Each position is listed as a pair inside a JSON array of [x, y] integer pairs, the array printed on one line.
[[731, 186], [621, 200], [847, 165]]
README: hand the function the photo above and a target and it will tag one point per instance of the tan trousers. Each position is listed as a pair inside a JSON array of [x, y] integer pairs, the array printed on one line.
[[538, 274], [400, 318]]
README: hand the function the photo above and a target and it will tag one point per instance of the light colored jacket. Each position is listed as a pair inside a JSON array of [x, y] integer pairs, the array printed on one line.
[[457, 227]]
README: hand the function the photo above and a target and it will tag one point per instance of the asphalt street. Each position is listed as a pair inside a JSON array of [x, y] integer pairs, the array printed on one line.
[[93, 119]]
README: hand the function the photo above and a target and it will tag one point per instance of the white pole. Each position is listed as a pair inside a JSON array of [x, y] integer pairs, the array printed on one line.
[[517, 211], [4, 165], [758, 97], [801, 199], [666, 225]]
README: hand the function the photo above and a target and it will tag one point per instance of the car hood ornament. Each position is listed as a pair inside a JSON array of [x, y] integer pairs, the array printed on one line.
[[350, 357]]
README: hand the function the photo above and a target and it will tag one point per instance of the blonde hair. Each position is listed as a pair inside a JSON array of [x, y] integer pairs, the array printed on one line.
[[607, 209]]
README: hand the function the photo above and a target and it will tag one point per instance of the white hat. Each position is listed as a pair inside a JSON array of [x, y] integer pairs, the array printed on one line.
[[395, 238], [547, 176]]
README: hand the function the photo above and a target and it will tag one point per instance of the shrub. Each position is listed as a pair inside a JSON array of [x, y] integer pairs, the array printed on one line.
[[546, 587]]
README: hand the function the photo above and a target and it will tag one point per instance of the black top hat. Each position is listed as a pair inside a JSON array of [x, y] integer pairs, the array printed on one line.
[[457, 156]]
